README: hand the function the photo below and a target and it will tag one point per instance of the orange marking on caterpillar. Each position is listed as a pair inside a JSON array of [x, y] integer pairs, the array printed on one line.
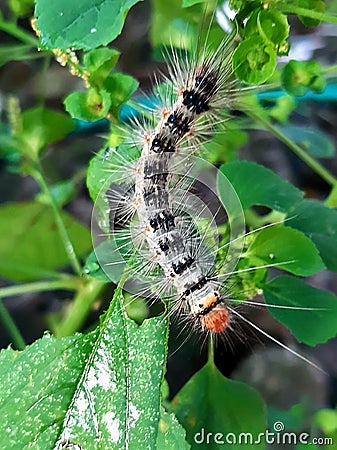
[[217, 319]]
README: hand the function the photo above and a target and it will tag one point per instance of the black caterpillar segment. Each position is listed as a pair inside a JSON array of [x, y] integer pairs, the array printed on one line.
[[156, 166], [164, 247], [154, 198], [192, 287], [198, 97], [162, 144], [181, 266], [179, 124], [158, 178], [205, 310], [195, 102], [206, 83], [164, 220]]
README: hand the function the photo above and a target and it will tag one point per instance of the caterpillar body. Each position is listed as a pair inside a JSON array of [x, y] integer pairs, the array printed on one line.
[[197, 93], [204, 90]]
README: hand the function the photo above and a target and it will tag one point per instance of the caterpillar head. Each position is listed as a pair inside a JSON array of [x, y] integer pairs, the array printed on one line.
[[213, 315]]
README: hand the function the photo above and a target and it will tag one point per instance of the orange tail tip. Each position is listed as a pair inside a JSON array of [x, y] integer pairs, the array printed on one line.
[[217, 320]]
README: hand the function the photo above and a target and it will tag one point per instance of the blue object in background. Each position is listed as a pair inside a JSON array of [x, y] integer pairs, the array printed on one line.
[[127, 112]]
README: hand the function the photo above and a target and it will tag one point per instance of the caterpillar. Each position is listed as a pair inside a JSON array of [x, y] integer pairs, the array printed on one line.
[[155, 211], [201, 92], [200, 89]]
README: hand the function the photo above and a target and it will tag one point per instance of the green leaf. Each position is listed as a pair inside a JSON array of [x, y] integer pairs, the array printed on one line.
[[211, 403], [99, 63], [299, 76], [311, 5], [30, 243], [120, 87], [92, 266], [319, 223], [171, 435], [41, 126], [111, 256], [244, 8], [257, 185], [274, 27], [116, 394], [282, 109], [294, 419], [326, 419], [37, 387], [21, 8], [172, 24], [80, 25], [331, 201], [290, 249], [254, 60], [106, 263], [13, 52], [316, 143], [227, 140], [62, 192], [236, 5], [95, 391], [90, 105], [109, 166], [98, 172], [313, 326], [187, 3]]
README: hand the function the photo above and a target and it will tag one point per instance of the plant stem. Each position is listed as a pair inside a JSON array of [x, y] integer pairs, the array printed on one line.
[[330, 69], [309, 160], [210, 357], [12, 29], [312, 14], [67, 284], [41, 95], [80, 308], [12, 329], [78, 176], [69, 248]]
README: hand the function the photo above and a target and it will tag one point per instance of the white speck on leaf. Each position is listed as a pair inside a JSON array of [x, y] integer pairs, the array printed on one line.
[[82, 403], [112, 426], [135, 414], [93, 30], [100, 375]]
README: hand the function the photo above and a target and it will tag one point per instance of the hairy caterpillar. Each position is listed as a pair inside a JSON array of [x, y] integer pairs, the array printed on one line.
[[201, 92], [200, 89], [160, 231]]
